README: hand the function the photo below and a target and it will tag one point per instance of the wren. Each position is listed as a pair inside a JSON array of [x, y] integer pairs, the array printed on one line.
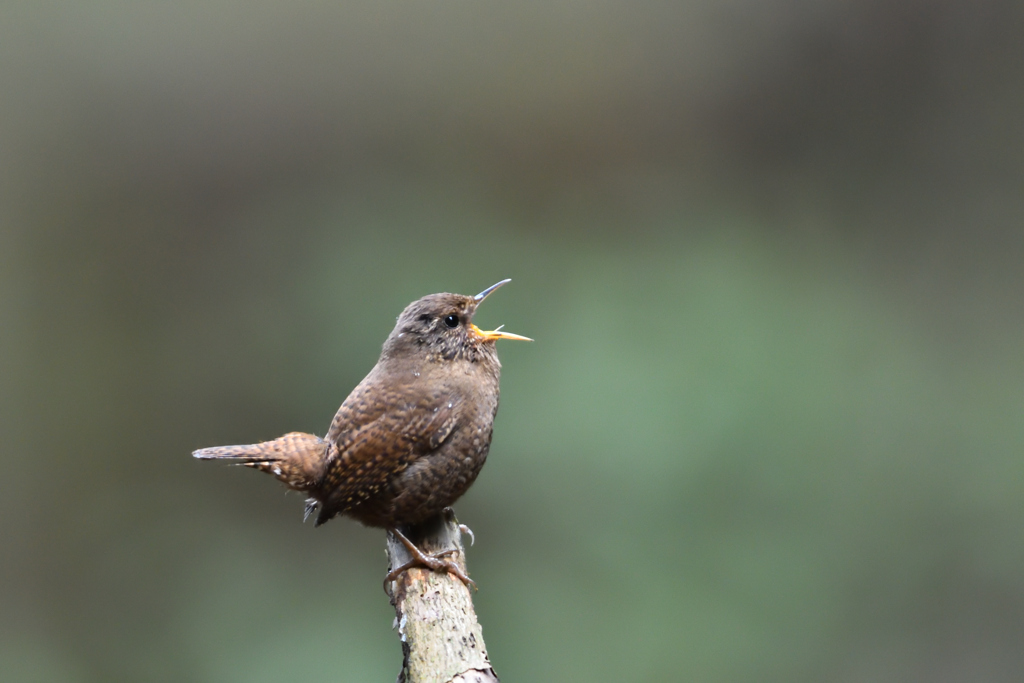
[[411, 438]]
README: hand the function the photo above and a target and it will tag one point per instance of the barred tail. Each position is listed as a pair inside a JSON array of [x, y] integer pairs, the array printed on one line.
[[296, 459]]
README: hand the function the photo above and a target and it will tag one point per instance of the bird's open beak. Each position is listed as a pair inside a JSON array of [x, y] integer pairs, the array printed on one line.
[[496, 333]]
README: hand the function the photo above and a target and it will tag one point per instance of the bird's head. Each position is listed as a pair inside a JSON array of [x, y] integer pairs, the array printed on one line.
[[441, 326]]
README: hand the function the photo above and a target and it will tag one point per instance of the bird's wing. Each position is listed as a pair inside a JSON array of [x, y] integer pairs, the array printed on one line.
[[374, 437]]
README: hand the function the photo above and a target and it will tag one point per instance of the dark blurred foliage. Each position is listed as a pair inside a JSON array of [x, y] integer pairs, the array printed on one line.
[[771, 428]]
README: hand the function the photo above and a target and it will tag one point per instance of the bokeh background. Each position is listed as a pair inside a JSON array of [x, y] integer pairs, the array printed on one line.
[[771, 252]]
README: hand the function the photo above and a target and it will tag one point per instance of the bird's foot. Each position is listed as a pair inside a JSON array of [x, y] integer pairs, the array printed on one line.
[[436, 562]]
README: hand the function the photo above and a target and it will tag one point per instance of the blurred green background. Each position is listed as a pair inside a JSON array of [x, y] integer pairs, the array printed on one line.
[[771, 252]]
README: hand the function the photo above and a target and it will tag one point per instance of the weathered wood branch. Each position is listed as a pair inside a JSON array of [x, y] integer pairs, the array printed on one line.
[[442, 641]]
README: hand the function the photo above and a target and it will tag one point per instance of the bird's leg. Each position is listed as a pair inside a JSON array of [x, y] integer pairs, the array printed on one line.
[[421, 559]]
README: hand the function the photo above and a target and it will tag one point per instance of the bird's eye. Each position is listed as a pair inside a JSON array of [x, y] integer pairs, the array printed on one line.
[[451, 321]]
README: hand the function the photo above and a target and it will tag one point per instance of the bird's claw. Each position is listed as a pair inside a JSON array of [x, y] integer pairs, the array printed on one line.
[[436, 562]]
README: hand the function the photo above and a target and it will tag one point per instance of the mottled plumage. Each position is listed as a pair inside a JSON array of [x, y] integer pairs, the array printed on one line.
[[412, 436]]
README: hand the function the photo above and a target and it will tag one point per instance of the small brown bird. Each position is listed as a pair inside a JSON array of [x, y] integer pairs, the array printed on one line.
[[411, 437]]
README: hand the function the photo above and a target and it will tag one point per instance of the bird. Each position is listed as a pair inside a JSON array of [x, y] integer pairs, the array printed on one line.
[[412, 436]]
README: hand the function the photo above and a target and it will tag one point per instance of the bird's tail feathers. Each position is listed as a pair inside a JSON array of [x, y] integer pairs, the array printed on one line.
[[297, 459]]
